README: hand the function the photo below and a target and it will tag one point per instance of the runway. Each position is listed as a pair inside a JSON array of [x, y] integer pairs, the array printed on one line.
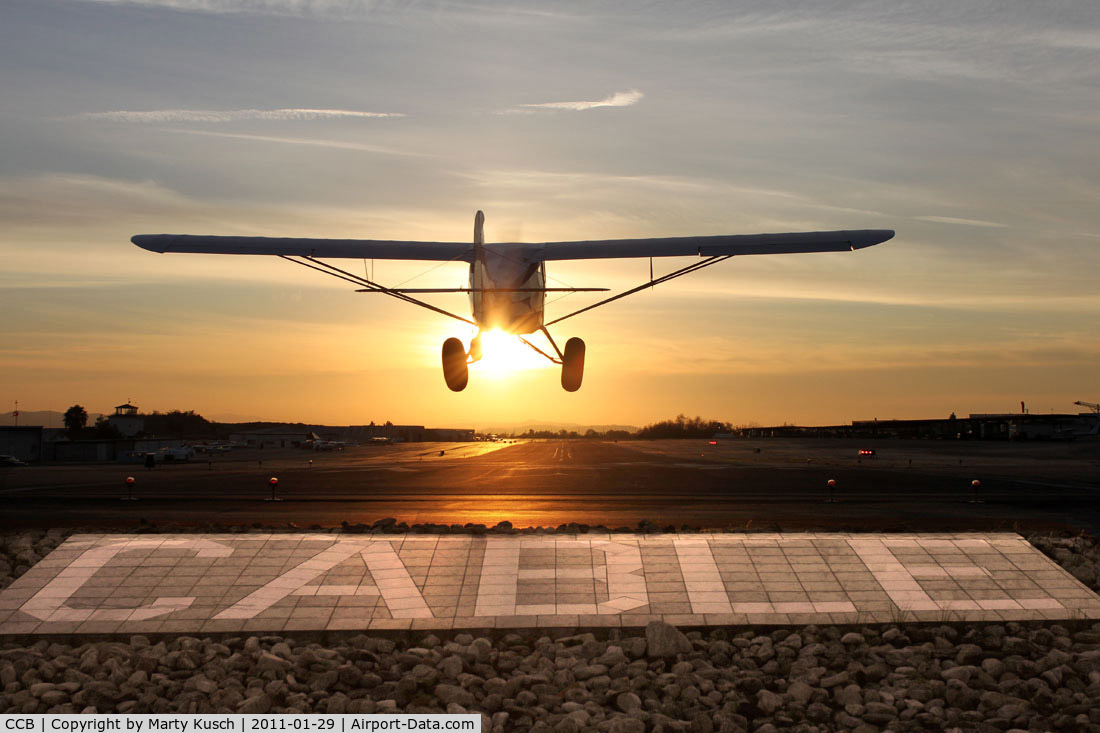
[[910, 485], [202, 583]]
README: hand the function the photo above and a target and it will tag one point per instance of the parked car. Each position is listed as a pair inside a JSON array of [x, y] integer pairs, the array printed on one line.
[[10, 462]]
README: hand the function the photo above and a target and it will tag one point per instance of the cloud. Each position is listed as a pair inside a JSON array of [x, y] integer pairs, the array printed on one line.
[[439, 11], [964, 222], [154, 116], [618, 99], [315, 142], [265, 7]]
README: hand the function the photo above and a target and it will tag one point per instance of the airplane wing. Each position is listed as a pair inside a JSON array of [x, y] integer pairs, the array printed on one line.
[[360, 249], [737, 244]]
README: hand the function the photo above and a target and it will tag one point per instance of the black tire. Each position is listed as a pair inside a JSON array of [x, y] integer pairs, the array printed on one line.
[[455, 371], [572, 367]]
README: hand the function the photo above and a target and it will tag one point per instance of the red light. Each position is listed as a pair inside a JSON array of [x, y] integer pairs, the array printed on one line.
[[714, 442]]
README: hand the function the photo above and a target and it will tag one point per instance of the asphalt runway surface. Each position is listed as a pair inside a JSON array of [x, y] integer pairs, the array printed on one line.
[[908, 485]]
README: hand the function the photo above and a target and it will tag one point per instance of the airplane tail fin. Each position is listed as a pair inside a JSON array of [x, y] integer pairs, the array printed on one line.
[[479, 229]]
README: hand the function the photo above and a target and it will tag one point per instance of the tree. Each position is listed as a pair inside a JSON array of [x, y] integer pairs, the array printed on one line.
[[76, 417], [104, 430]]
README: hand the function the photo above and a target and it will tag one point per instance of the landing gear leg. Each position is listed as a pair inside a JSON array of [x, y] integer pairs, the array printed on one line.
[[571, 360], [475, 348], [455, 371]]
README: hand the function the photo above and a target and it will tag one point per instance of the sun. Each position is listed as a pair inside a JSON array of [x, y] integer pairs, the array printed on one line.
[[504, 354]]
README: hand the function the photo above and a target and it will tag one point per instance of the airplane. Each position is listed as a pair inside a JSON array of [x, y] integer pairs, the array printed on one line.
[[507, 283]]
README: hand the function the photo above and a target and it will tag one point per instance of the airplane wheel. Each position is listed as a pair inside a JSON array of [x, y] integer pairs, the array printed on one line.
[[455, 371], [572, 368]]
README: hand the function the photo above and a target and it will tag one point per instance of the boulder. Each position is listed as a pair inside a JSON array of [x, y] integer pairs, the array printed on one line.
[[665, 640]]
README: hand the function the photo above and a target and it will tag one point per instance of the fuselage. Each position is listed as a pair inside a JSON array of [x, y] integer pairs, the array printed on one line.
[[506, 285]]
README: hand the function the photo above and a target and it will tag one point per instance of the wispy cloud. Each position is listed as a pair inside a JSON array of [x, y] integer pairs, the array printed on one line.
[[964, 222], [311, 141], [154, 116], [618, 99], [449, 11], [266, 7]]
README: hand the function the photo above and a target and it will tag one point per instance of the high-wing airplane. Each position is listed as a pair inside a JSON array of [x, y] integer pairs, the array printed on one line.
[[508, 280]]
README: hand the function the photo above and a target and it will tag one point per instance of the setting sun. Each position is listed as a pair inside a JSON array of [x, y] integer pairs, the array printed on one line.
[[505, 354]]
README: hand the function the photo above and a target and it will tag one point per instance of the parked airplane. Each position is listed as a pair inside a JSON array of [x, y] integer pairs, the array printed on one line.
[[508, 281]]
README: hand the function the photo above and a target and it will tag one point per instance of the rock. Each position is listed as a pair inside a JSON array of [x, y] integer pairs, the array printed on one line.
[[451, 667], [281, 649], [624, 724], [270, 662], [969, 654], [201, 684], [879, 713], [567, 725], [424, 674], [768, 701], [39, 689], [614, 655], [634, 647], [587, 671], [850, 695], [665, 640], [1054, 658], [875, 671], [852, 637], [963, 673], [480, 649], [628, 702], [257, 705], [840, 678], [800, 692], [993, 667], [448, 694]]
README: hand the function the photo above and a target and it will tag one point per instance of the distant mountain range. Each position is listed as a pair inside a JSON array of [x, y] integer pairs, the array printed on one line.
[[45, 418], [536, 425]]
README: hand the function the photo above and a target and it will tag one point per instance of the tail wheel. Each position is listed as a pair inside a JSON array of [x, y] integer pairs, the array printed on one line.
[[455, 371], [572, 366]]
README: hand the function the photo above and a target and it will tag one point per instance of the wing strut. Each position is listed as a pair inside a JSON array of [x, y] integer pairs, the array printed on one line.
[[663, 279], [370, 285]]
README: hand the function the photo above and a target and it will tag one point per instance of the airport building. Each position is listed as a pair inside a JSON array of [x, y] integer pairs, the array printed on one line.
[[127, 420], [25, 443], [288, 437], [976, 426], [406, 433]]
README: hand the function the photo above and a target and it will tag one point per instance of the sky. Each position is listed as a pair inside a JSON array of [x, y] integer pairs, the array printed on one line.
[[970, 128]]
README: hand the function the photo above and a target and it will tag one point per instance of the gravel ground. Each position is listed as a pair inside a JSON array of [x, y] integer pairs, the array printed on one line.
[[971, 677]]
